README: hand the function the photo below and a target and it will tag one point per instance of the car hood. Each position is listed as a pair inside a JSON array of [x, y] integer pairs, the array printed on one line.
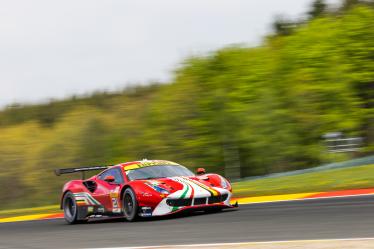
[[184, 187]]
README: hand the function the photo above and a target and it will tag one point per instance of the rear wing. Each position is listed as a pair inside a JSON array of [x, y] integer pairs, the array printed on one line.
[[59, 172]]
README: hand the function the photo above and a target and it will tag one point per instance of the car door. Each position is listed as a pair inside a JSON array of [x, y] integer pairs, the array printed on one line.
[[108, 193]]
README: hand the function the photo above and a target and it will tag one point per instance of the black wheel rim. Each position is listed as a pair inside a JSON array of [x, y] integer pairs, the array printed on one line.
[[129, 205], [69, 207]]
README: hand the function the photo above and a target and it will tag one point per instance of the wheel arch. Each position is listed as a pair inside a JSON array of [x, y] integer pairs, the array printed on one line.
[[63, 196], [124, 189]]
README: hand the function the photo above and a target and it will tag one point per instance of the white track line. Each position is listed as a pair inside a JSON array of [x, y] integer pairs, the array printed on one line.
[[240, 243]]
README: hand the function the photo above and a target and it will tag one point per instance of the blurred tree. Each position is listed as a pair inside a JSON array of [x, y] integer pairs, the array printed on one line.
[[283, 26], [349, 4], [356, 43], [317, 9]]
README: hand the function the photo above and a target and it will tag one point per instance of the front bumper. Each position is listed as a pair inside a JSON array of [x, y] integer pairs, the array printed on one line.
[[145, 211], [171, 205]]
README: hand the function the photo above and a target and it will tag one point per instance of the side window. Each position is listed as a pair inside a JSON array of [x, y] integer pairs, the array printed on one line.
[[116, 173], [117, 176]]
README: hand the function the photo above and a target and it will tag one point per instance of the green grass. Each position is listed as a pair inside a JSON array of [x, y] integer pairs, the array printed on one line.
[[335, 179]]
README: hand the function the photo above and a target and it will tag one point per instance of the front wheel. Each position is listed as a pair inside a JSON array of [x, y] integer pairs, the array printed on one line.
[[130, 205]]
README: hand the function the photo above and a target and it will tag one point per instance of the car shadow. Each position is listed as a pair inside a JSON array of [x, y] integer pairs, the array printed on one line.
[[180, 215]]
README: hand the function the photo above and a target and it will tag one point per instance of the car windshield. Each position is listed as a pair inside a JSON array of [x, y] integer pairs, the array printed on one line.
[[159, 171]]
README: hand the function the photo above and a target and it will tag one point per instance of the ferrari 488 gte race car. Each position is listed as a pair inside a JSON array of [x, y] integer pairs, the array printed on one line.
[[142, 188]]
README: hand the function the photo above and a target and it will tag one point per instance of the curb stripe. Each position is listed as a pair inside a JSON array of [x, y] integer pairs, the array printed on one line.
[[344, 193], [303, 196], [272, 198], [32, 217]]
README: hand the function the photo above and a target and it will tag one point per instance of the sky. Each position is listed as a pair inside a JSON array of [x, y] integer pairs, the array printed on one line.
[[54, 49]]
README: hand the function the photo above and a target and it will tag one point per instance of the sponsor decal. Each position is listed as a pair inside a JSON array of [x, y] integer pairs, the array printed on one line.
[[146, 214], [83, 198], [115, 203], [148, 164], [116, 210], [81, 202], [145, 211], [145, 194], [114, 194], [95, 216]]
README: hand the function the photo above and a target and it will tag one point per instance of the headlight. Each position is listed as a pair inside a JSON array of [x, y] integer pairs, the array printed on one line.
[[224, 183], [159, 189]]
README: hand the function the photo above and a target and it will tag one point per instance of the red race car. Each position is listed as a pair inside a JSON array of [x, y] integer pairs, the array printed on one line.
[[142, 188]]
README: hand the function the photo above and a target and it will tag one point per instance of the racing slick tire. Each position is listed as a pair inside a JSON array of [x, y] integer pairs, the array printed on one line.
[[130, 205], [71, 211]]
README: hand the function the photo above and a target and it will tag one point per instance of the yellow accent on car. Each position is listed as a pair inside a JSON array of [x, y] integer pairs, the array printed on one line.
[[148, 164]]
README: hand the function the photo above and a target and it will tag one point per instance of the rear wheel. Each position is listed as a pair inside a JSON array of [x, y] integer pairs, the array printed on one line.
[[69, 205], [130, 205]]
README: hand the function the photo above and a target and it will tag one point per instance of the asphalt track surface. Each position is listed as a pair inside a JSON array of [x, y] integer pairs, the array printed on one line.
[[348, 217]]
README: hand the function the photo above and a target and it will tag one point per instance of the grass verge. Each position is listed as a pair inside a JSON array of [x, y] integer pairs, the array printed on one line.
[[329, 180]]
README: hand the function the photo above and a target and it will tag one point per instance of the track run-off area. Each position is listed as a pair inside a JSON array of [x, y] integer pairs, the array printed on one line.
[[309, 219], [242, 200]]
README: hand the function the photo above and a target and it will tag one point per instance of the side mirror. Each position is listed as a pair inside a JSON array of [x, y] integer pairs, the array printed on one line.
[[200, 171], [109, 179]]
